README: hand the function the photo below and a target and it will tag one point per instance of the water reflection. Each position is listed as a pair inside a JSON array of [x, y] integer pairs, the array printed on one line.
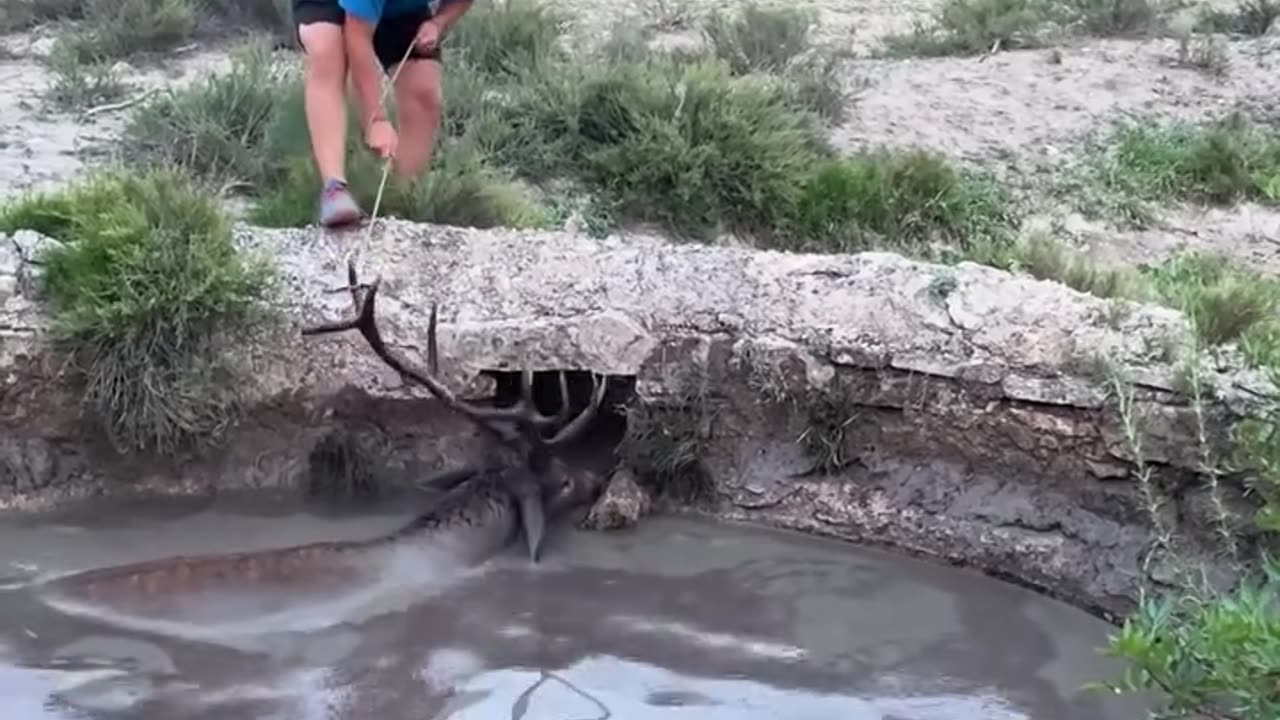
[[677, 619]]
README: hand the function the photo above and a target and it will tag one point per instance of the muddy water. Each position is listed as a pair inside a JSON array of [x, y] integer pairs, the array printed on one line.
[[678, 619]]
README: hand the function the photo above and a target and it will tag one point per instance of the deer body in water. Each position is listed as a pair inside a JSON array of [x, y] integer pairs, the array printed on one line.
[[481, 510]]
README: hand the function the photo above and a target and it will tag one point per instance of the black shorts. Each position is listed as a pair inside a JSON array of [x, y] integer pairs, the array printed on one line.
[[391, 38]]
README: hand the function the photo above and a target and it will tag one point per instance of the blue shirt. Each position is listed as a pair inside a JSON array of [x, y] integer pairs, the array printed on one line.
[[372, 11]]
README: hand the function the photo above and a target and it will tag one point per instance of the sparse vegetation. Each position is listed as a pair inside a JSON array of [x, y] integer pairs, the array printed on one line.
[[78, 85], [1213, 651], [700, 144], [1046, 259], [1141, 163], [22, 14], [971, 27], [758, 38], [216, 129], [1112, 18], [910, 200], [829, 416], [145, 292], [1210, 651], [1248, 17], [1203, 53], [344, 467], [115, 29], [665, 442]]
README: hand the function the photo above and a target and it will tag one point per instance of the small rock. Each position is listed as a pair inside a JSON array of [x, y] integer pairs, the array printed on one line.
[[10, 266], [43, 47], [31, 245], [622, 505]]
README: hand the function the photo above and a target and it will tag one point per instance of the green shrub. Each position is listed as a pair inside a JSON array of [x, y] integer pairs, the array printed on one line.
[[145, 292], [970, 27], [759, 38], [1224, 303], [685, 144], [1111, 18], [1213, 655], [274, 17], [1250, 17], [218, 127], [114, 29], [78, 85], [506, 38], [1046, 259], [1220, 162], [1209, 651], [909, 200], [22, 14]]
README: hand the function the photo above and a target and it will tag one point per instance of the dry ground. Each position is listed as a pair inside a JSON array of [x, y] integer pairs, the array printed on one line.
[[1021, 114]]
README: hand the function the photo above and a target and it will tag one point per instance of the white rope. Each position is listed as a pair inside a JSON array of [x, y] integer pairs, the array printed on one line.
[[386, 166]]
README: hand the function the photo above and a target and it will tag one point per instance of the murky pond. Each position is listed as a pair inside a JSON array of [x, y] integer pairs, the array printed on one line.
[[680, 618]]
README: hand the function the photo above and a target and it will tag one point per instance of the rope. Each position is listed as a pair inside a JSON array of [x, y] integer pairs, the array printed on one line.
[[386, 166]]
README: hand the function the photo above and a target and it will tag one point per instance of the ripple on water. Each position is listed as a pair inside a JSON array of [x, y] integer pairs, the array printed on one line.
[[678, 618]]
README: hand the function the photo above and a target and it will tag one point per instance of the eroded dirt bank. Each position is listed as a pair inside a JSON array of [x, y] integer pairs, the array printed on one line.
[[962, 413]]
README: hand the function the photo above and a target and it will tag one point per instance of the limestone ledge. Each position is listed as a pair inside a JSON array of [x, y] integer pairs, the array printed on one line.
[[554, 300]]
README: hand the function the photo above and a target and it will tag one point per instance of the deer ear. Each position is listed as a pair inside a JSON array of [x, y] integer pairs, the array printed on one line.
[[533, 518]]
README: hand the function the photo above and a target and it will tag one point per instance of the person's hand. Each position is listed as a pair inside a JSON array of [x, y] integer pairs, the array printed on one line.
[[428, 36], [381, 138]]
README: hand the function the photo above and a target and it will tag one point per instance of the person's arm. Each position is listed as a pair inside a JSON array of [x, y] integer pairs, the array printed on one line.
[[362, 62]]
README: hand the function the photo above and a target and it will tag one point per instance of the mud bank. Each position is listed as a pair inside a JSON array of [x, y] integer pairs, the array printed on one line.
[[954, 412]]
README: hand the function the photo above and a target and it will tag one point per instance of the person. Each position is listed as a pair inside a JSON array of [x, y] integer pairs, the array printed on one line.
[[362, 37]]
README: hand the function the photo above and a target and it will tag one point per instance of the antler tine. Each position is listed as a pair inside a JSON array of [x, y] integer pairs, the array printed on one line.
[[524, 413], [578, 425], [365, 322]]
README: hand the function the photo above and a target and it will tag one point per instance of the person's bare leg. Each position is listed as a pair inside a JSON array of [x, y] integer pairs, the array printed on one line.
[[324, 86], [417, 114]]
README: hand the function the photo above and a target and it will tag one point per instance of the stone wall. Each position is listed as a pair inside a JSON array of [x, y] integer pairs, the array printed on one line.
[[975, 423]]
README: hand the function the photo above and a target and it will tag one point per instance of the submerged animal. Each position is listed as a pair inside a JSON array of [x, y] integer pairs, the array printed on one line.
[[481, 510]]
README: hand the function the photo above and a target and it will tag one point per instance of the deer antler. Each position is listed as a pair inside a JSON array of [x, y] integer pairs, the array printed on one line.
[[531, 423]]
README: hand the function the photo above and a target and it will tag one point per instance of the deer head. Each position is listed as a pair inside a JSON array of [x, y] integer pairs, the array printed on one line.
[[544, 485]]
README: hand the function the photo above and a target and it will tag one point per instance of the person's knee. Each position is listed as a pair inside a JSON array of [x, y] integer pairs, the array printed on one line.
[[421, 91], [324, 53]]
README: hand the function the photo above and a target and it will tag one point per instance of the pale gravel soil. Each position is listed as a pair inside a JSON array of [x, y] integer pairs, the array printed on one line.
[[1024, 114], [41, 148], [1021, 114]]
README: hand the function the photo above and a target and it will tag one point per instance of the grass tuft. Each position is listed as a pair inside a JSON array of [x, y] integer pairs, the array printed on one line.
[[1248, 17], [16, 15], [508, 38], [215, 129], [1046, 259], [78, 85], [1222, 162], [1224, 303], [910, 200], [665, 442], [759, 38], [1112, 18], [115, 29], [145, 292], [971, 27]]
